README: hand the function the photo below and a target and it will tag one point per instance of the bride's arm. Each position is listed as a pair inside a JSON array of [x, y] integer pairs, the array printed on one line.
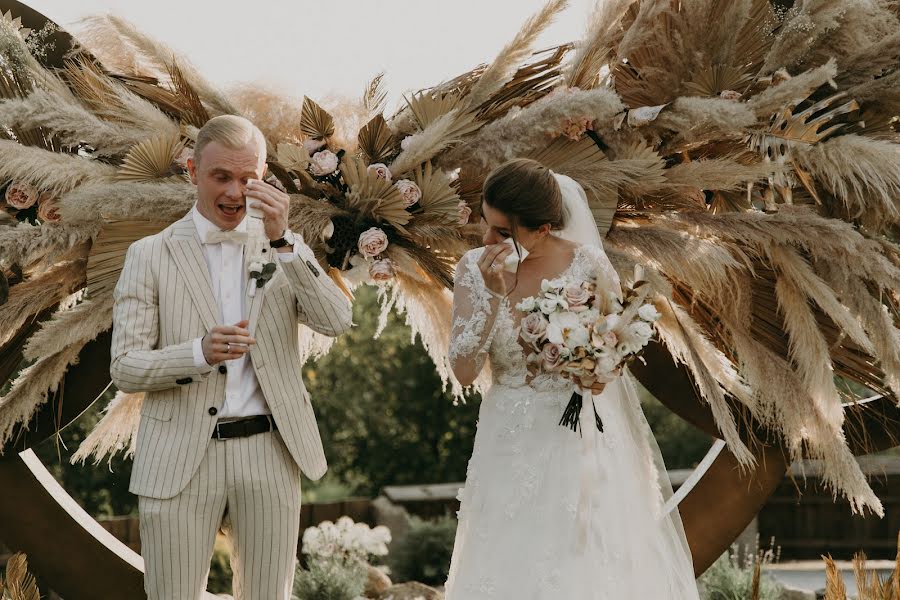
[[475, 309]]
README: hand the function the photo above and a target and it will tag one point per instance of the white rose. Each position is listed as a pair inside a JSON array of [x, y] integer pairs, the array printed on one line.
[[323, 163], [372, 242], [534, 328], [381, 171], [553, 285], [409, 191], [641, 330], [589, 316], [649, 313], [527, 305], [256, 266], [565, 329], [607, 362], [381, 270], [548, 305]]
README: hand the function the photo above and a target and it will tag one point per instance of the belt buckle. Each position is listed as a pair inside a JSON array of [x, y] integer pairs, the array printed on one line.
[[218, 432], [271, 422]]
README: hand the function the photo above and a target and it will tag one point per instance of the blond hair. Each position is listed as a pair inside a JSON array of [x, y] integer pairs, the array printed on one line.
[[232, 132]]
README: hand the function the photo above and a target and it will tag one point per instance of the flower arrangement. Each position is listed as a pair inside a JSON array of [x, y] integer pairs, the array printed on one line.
[[583, 331], [346, 539]]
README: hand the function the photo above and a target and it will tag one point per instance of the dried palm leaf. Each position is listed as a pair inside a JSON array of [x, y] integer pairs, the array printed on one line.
[[593, 53], [151, 159], [315, 122], [372, 195], [428, 107], [716, 79], [20, 584], [564, 155], [107, 256], [375, 95], [292, 157], [439, 200], [192, 110], [376, 140]]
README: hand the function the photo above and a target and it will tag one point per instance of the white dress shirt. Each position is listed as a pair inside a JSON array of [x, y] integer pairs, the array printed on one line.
[[225, 261]]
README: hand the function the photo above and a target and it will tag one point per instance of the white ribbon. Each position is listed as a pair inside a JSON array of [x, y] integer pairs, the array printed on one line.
[[588, 470]]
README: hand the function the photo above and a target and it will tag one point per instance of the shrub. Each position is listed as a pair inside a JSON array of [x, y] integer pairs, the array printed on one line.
[[423, 553], [729, 578], [331, 578]]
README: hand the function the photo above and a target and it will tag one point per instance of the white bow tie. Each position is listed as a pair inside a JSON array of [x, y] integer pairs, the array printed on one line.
[[217, 237]]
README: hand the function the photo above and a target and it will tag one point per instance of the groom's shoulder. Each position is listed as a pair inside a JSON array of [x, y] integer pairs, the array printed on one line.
[[153, 243]]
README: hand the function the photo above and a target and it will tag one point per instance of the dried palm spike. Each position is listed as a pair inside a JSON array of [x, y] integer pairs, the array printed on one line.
[[439, 199], [151, 159], [428, 107], [375, 140], [315, 122], [192, 110], [375, 96]]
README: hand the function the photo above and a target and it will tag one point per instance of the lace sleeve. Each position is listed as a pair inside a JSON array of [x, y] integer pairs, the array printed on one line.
[[474, 312]]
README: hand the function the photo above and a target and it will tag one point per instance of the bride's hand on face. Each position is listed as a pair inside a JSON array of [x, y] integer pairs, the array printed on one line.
[[491, 267]]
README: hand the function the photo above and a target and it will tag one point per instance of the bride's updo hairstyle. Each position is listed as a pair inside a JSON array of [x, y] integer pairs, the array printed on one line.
[[525, 191]]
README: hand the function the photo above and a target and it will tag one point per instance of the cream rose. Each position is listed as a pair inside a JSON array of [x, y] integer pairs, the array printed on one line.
[[551, 357], [534, 328], [464, 211], [323, 163], [381, 270], [21, 195], [372, 242], [576, 296], [48, 209], [730, 95], [381, 171], [409, 191], [312, 146]]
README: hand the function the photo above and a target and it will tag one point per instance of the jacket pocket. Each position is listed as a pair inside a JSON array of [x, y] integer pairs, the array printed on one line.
[[158, 406]]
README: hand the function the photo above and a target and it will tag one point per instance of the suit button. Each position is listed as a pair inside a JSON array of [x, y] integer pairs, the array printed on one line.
[[183, 381], [213, 411], [223, 369]]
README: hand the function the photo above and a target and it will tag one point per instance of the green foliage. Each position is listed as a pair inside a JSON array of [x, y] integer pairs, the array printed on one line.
[[330, 579], [383, 417], [730, 578], [423, 553], [682, 445]]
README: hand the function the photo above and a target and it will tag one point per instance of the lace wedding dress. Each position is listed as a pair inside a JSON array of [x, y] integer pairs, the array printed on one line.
[[545, 513]]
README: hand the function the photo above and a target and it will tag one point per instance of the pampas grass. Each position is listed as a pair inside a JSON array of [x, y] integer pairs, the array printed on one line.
[[593, 52], [50, 172], [35, 295], [165, 200], [698, 119], [511, 56], [116, 431]]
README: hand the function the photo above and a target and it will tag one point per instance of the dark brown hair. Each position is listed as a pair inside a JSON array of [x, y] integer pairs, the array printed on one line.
[[525, 191]]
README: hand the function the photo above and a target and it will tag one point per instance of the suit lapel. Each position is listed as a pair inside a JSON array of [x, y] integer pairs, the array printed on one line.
[[184, 244]]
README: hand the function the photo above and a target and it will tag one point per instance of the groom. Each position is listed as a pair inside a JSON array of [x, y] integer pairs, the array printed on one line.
[[226, 423]]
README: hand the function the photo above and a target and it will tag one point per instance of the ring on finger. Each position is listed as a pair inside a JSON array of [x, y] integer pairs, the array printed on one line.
[[227, 348]]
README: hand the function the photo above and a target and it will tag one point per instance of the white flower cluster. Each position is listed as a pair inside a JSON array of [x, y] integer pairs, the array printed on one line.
[[578, 328], [346, 539]]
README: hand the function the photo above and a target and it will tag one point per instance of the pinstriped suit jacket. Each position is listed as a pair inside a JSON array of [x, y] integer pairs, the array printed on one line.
[[163, 301]]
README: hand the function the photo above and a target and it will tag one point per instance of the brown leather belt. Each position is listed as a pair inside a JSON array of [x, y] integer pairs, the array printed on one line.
[[244, 427]]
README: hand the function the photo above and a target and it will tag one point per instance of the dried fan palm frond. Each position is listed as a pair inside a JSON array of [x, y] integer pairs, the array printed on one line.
[[107, 256], [428, 107], [372, 195], [530, 83], [192, 110], [375, 95], [439, 200], [504, 66], [19, 584], [716, 79], [563, 155], [376, 140], [791, 91], [292, 157], [439, 135], [151, 159], [315, 121], [593, 53]]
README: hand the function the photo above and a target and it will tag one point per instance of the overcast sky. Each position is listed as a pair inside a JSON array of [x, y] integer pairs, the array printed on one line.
[[321, 48]]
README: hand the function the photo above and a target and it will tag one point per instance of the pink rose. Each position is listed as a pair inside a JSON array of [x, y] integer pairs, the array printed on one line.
[[464, 211], [324, 162], [381, 270], [372, 242], [574, 128], [730, 95], [381, 171], [21, 195], [312, 146], [576, 296], [409, 191], [551, 358], [48, 209], [534, 328]]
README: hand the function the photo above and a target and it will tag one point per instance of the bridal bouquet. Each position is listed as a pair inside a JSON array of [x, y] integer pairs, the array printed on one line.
[[583, 331]]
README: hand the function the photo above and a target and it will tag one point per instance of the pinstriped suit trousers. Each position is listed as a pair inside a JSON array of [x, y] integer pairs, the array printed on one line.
[[257, 483]]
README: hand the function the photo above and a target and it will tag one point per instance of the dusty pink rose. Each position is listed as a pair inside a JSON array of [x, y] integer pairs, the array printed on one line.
[[372, 242], [324, 162], [21, 195], [730, 95], [48, 209], [409, 191], [312, 146], [464, 211], [381, 270], [574, 128], [534, 328], [576, 297], [550, 357], [381, 171]]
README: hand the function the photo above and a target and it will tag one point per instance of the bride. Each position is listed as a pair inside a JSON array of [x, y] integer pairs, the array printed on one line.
[[547, 513]]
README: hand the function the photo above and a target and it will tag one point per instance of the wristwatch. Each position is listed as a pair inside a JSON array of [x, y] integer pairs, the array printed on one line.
[[287, 239]]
